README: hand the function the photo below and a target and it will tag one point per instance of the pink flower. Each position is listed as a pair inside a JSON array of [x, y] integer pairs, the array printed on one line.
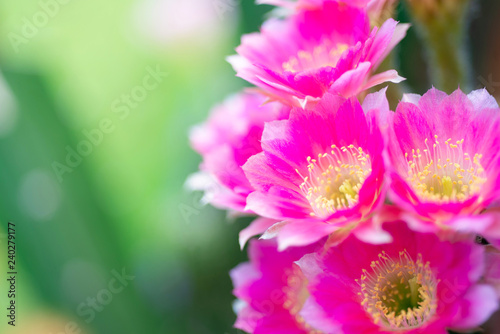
[[377, 10], [328, 49], [229, 137], [320, 172], [444, 151], [271, 290], [297, 4], [417, 284], [373, 7]]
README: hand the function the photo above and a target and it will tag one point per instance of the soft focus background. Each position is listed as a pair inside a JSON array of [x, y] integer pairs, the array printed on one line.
[[121, 82]]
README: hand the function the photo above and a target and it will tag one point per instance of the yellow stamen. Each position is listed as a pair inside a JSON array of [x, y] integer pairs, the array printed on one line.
[[335, 179], [399, 294], [444, 172], [321, 56]]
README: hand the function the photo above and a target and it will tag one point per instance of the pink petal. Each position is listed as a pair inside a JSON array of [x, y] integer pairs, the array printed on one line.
[[479, 303], [279, 203], [372, 234], [301, 233], [272, 231], [481, 99], [310, 266], [242, 275], [318, 319], [387, 76], [376, 101], [258, 226], [351, 82]]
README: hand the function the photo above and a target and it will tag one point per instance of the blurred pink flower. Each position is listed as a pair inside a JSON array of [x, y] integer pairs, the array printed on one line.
[[320, 172], [374, 8], [226, 140], [295, 5], [417, 284], [324, 49], [445, 160], [377, 10], [271, 290]]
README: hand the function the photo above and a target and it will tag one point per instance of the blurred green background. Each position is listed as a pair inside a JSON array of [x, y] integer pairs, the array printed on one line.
[[122, 82]]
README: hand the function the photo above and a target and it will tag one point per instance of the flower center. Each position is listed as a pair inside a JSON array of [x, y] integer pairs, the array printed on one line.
[[321, 56], [399, 294], [335, 179], [443, 172]]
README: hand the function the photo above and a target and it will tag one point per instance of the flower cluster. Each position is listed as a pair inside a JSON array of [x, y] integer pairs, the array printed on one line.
[[369, 218]]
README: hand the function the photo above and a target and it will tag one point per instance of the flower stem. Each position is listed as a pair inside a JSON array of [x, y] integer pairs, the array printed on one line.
[[443, 26]]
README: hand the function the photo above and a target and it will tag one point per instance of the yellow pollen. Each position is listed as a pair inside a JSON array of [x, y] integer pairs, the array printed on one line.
[[335, 178], [399, 294], [443, 172], [295, 289], [321, 56], [296, 293]]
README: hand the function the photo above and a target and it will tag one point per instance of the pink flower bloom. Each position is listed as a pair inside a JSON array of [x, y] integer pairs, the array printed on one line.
[[320, 172], [229, 137], [326, 49], [445, 153], [271, 290], [377, 10], [417, 284], [297, 4], [372, 7]]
